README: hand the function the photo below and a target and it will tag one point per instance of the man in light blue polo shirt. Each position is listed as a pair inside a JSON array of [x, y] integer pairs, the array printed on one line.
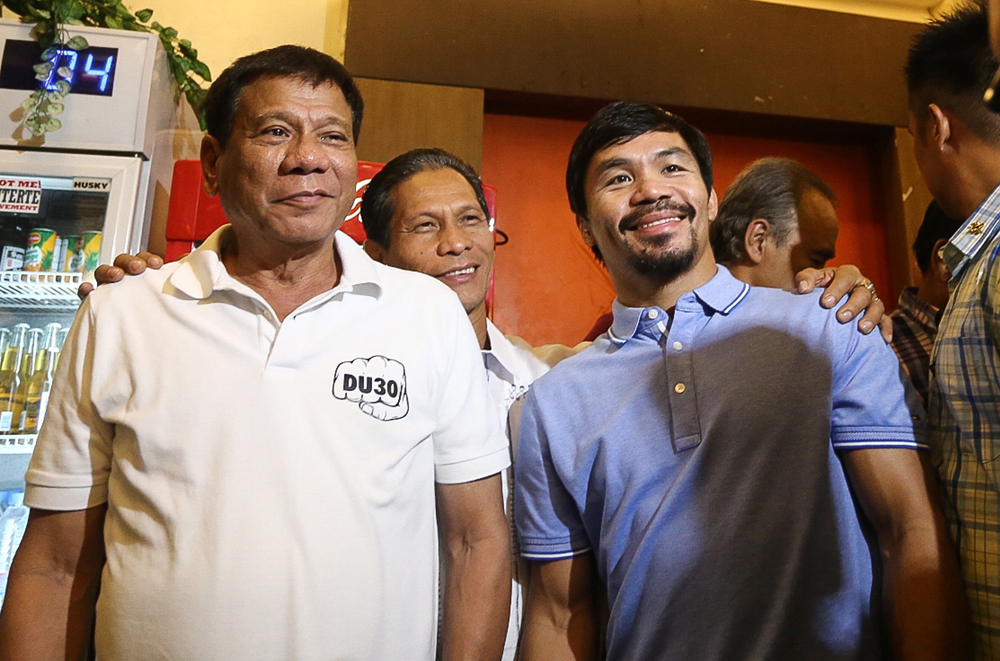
[[699, 460]]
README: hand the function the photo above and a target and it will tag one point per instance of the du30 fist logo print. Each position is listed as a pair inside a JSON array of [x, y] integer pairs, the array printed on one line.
[[378, 384]]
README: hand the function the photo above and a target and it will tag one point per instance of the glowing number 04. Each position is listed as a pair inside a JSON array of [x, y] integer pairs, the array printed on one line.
[[102, 73], [70, 55]]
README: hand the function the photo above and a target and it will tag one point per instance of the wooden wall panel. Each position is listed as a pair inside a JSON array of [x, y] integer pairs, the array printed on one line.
[[403, 116], [719, 54]]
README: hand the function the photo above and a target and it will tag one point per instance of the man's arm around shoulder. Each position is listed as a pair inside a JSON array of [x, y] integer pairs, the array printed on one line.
[[48, 612], [922, 594]]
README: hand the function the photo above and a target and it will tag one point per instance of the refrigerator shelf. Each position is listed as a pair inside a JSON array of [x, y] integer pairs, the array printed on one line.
[[17, 443], [39, 290]]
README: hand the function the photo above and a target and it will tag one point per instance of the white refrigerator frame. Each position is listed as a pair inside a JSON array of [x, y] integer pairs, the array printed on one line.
[[123, 226]]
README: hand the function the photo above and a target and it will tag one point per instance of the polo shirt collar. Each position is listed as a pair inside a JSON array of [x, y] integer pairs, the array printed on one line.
[[202, 272], [974, 234], [501, 358], [720, 294]]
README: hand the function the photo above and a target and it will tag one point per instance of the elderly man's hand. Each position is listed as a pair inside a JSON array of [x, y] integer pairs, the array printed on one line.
[[123, 264], [838, 282]]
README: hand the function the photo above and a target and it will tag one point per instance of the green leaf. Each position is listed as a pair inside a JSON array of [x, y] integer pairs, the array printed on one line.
[[186, 43], [43, 67], [201, 69], [77, 43], [156, 26], [56, 109], [73, 21], [49, 54], [40, 13], [170, 33], [41, 76], [179, 76], [74, 9], [113, 22], [54, 97], [63, 87], [64, 72], [53, 125], [144, 15], [28, 103]]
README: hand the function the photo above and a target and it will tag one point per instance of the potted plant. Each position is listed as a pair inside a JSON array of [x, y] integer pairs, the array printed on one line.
[[52, 18]]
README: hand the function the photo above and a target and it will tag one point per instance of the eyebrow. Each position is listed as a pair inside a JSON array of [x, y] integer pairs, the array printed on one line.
[[330, 120], [436, 213], [660, 154]]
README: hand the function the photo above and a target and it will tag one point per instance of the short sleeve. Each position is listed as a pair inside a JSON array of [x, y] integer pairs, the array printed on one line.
[[469, 443], [874, 404], [548, 521], [71, 463]]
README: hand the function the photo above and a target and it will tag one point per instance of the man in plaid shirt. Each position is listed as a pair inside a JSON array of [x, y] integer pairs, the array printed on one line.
[[915, 320], [957, 146]]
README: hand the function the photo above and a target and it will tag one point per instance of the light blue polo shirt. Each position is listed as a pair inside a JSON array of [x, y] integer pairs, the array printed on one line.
[[698, 459]]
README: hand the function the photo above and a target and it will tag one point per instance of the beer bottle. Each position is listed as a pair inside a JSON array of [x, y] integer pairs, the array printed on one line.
[[40, 383], [49, 334], [25, 370], [9, 378]]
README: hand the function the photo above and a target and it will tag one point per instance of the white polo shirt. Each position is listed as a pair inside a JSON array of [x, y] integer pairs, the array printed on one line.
[[270, 486]]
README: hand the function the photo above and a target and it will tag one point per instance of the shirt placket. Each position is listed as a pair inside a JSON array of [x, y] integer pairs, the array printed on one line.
[[677, 345]]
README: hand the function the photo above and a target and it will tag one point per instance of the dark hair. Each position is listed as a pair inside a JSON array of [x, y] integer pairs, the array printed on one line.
[[937, 225], [620, 122], [771, 189], [306, 64], [951, 64], [377, 208]]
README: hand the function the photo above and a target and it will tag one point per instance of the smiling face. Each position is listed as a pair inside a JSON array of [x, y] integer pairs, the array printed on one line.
[[648, 208], [438, 228], [287, 175]]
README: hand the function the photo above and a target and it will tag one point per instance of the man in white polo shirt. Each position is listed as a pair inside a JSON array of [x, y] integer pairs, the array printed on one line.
[[256, 437]]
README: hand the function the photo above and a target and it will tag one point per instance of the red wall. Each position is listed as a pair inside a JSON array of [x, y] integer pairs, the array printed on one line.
[[550, 289]]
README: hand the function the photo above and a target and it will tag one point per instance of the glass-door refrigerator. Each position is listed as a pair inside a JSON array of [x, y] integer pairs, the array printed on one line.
[[97, 187]]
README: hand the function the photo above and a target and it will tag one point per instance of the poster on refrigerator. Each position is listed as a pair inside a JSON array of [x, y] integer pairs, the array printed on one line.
[[20, 195]]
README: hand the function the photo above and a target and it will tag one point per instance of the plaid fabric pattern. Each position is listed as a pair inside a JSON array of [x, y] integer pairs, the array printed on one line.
[[914, 326], [965, 414]]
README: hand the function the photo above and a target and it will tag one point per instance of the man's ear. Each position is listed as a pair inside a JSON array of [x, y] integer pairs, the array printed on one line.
[[939, 270], [375, 251], [754, 239], [713, 205], [211, 152], [940, 126], [584, 226]]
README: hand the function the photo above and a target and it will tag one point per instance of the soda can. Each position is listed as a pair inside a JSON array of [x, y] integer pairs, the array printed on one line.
[[91, 250], [41, 249]]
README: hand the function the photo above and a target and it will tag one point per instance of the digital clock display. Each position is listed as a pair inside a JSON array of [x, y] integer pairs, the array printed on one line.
[[91, 71]]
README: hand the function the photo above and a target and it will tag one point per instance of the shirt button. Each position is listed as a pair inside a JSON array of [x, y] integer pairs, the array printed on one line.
[[680, 388], [678, 346], [652, 314]]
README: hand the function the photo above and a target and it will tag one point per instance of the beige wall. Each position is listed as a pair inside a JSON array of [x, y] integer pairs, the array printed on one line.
[[914, 11], [223, 30]]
